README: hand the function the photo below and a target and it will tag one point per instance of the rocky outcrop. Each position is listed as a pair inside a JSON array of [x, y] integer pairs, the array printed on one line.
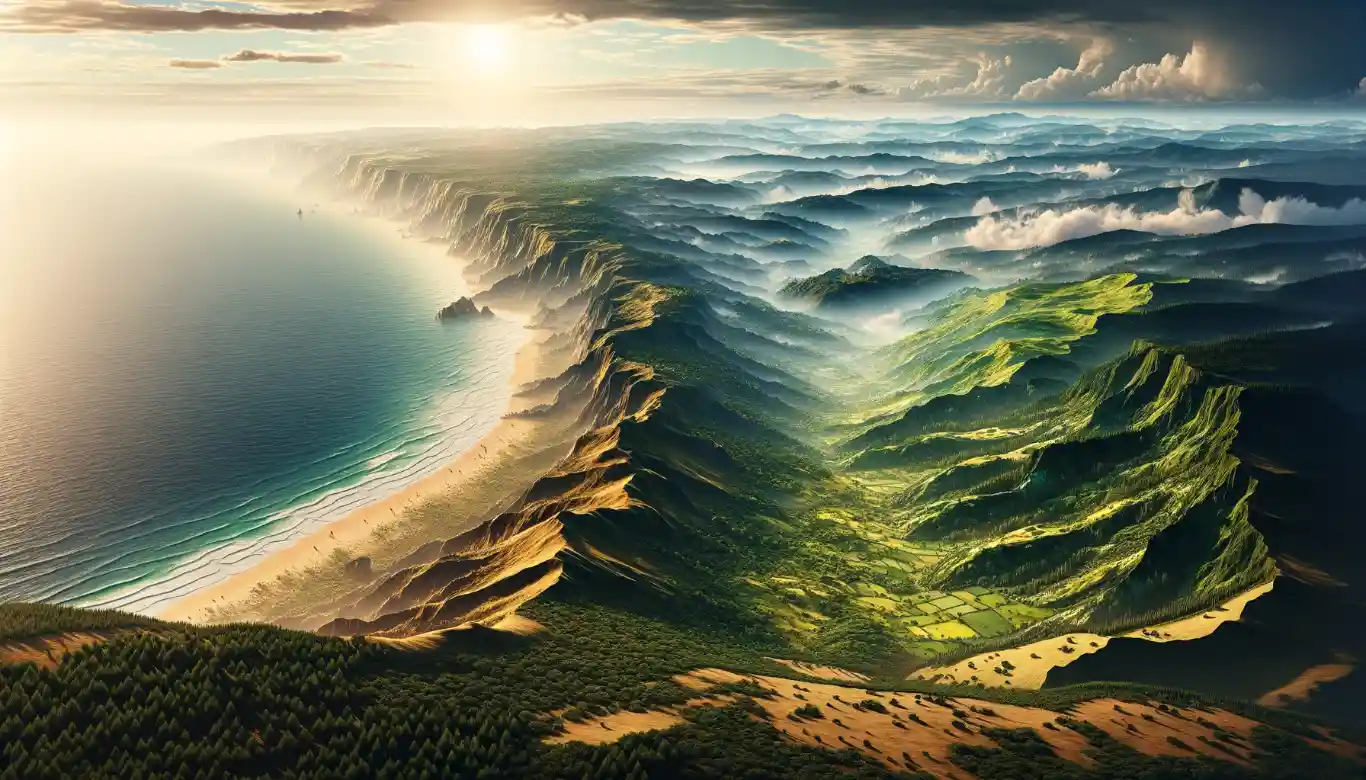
[[462, 309], [359, 568]]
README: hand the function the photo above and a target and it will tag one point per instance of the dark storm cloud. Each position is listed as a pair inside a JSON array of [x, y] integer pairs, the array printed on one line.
[[1307, 48]]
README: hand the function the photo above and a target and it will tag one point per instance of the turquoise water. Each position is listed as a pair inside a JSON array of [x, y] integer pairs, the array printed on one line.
[[192, 375]]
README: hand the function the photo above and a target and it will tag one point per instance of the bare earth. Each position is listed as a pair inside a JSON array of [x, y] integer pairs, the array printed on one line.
[[1304, 686], [611, 728], [48, 651], [901, 742], [513, 624], [823, 672], [1030, 671], [510, 438]]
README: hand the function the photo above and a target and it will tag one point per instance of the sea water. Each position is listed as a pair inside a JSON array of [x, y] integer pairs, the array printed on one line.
[[192, 374]]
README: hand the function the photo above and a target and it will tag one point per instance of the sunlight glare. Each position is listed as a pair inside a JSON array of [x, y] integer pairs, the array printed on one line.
[[486, 46]]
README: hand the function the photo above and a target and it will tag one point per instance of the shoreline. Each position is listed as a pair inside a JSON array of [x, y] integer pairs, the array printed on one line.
[[353, 530]]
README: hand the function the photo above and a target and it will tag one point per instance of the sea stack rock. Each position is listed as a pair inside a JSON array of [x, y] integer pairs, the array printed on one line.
[[462, 309]]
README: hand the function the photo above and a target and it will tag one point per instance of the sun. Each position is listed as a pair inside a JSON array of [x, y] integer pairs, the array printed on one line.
[[486, 46]]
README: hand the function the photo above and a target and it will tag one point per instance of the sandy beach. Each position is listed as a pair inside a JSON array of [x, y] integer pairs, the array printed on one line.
[[508, 438]]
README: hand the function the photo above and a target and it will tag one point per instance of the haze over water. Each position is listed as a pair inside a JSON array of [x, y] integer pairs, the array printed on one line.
[[191, 373]]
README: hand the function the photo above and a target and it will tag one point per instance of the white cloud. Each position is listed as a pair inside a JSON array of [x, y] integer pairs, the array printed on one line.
[[989, 82], [1099, 170], [964, 158], [1298, 211], [984, 207], [1069, 83], [780, 194], [1051, 226], [1197, 76]]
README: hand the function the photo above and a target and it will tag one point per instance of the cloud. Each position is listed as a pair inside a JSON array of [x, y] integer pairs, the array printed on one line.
[[251, 55], [988, 82], [1197, 76], [984, 206], [835, 85], [1100, 170], [1293, 49], [390, 65], [1298, 211], [196, 64], [1069, 83], [1051, 226], [73, 16]]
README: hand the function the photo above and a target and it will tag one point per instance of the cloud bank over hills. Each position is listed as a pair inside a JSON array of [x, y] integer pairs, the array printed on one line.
[[1052, 226]]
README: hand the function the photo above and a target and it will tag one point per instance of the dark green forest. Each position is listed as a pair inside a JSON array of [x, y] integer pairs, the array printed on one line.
[[244, 701]]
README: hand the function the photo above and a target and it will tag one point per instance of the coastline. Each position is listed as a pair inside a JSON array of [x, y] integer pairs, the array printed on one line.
[[352, 531]]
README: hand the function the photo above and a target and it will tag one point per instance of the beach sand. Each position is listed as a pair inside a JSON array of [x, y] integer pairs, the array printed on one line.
[[508, 439]]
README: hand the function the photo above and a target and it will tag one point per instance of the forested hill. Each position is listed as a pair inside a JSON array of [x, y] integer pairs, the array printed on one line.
[[170, 701]]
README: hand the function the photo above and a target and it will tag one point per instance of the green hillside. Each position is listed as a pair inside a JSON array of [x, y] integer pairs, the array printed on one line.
[[873, 283]]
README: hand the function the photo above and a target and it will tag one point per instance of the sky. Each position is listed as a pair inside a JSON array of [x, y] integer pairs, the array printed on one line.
[[564, 61]]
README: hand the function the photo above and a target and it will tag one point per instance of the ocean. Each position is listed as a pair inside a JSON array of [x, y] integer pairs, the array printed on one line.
[[192, 375]]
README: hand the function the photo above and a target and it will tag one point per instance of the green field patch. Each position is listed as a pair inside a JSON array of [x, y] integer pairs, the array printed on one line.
[[1021, 615], [961, 609], [991, 599], [927, 608], [870, 588], [924, 651], [883, 604], [988, 623], [967, 596], [952, 629], [893, 564], [947, 602], [900, 555]]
